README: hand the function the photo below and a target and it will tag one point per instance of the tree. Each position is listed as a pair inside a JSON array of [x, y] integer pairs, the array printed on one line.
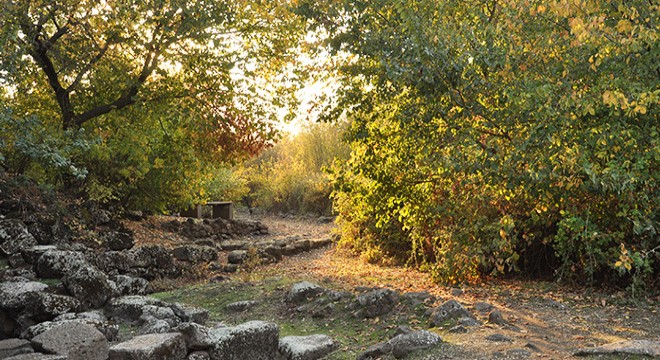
[[155, 76], [492, 136]]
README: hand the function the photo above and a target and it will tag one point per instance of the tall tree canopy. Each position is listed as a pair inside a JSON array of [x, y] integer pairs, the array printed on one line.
[[165, 85], [496, 136]]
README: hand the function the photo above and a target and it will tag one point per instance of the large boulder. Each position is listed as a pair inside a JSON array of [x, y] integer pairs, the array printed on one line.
[[13, 347], [168, 346], [14, 237], [197, 337], [54, 264], [109, 330], [376, 302], [90, 285], [310, 347], [130, 285], [10, 292], [36, 307], [254, 340], [631, 347], [129, 308], [449, 311], [77, 341]]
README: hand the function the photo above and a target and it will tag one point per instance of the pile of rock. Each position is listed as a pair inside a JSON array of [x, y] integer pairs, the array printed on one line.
[[168, 331], [216, 229]]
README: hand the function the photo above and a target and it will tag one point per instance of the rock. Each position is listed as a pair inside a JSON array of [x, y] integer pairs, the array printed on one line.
[[110, 331], [37, 356], [376, 303], [468, 322], [450, 310], [416, 298], [10, 291], [118, 240], [237, 256], [31, 255], [456, 292], [129, 308], [152, 256], [483, 307], [375, 352], [458, 329], [197, 337], [195, 254], [240, 306], [54, 264], [495, 317], [231, 245], [96, 315], [199, 355], [310, 347], [254, 340], [169, 346], [129, 285], [302, 291], [77, 341], [155, 326], [404, 344], [499, 338], [533, 347], [631, 347], [7, 326], [190, 313], [164, 312], [14, 237], [39, 307], [13, 347], [89, 285]]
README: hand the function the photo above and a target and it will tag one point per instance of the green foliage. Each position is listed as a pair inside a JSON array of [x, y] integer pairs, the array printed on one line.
[[28, 147], [290, 177], [169, 90], [500, 137]]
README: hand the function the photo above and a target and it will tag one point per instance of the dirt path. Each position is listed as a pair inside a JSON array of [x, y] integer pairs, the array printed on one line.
[[544, 319]]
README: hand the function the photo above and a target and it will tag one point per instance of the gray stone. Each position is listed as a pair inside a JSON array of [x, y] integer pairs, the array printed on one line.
[[404, 344], [129, 285], [10, 291], [110, 331], [310, 347], [376, 302], [32, 254], [169, 346], [90, 285], [14, 237], [237, 256], [37, 356], [631, 347], [240, 306], [231, 245], [416, 298], [54, 264], [13, 347], [483, 307], [197, 337], [195, 253], [152, 256], [96, 315], [468, 322], [199, 355], [302, 291], [499, 338], [495, 317], [129, 308], [77, 341], [118, 240], [155, 326], [160, 313], [190, 313], [458, 329], [40, 306], [254, 340], [449, 311]]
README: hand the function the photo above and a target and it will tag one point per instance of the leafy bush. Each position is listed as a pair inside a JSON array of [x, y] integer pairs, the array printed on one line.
[[491, 140]]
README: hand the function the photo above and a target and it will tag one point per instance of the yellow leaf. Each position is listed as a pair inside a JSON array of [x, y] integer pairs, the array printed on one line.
[[623, 26]]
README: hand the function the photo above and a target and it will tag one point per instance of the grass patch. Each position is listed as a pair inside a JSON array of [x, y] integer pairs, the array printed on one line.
[[336, 318]]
